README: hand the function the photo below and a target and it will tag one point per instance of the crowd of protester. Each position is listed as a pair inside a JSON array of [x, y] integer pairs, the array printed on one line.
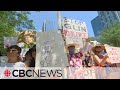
[[97, 56], [15, 59]]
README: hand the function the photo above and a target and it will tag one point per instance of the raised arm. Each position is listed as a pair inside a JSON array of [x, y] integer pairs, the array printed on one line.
[[100, 62]]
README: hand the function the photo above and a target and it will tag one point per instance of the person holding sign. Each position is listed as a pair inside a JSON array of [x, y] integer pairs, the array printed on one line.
[[74, 58], [99, 58]]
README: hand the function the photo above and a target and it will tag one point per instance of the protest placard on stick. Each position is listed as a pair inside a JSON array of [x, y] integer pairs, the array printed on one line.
[[114, 54]]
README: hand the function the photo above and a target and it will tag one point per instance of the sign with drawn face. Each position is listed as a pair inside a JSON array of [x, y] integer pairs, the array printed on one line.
[[50, 50]]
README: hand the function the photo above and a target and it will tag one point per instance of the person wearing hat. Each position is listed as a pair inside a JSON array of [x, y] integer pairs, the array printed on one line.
[[74, 59], [70, 49], [99, 58]]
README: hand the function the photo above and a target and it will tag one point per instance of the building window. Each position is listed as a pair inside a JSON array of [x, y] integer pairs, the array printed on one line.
[[101, 13], [114, 16], [107, 12], [111, 20], [105, 19]]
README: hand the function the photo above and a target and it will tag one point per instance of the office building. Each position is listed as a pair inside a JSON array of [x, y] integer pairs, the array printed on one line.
[[97, 26], [48, 26], [104, 20]]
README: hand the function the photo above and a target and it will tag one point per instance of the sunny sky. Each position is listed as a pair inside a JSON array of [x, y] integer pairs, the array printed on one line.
[[85, 16]]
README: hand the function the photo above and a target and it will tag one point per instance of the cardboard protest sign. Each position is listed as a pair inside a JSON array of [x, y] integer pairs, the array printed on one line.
[[75, 25], [74, 31], [9, 41], [96, 73], [114, 54], [28, 37], [85, 73], [88, 47], [50, 50], [73, 36], [84, 30]]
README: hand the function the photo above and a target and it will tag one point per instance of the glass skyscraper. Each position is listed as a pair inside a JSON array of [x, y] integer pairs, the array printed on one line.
[[97, 26], [104, 20], [48, 26]]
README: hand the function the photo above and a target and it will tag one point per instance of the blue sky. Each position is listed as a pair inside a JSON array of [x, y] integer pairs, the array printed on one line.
[[85, 16]]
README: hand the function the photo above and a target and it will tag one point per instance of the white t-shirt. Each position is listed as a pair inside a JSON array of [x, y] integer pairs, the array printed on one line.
[[19, 65], [11, 67]]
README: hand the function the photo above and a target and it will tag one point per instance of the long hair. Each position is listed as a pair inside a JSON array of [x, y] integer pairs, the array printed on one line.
[[0, 54], [32, 62]]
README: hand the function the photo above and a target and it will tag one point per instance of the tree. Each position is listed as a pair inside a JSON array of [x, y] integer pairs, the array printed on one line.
[[111, 35], [12, 21], [90, 39]]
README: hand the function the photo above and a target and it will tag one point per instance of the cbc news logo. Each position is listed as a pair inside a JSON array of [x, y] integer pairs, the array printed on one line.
[[31, 73]]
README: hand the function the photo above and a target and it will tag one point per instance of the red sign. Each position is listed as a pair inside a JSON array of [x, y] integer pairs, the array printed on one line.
[[71, 33]]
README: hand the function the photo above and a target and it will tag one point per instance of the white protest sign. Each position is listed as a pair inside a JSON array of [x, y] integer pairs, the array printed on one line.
[[23, 52], [3, 59], [114, 54], [73, 36], [85, 73], [9, 41], [89, 47], [75, 40], [84, 30], [75, 25], [50, 51]]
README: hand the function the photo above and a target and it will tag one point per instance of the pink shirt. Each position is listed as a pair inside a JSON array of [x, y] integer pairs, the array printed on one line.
[[76, 62]]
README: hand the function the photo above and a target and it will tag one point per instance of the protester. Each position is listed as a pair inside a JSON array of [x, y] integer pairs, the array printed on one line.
[[74, 58], [28, 58], [78, 53], [13, 54], [33, 54], [87, 62], [98, 58]]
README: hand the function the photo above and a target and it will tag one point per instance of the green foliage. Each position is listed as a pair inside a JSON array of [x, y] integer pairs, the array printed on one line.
[[92, 38], [12, 21], [111, 35]]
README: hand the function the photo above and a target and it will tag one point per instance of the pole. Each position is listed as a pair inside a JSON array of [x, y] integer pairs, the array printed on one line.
[[44, 25], [59, 20]]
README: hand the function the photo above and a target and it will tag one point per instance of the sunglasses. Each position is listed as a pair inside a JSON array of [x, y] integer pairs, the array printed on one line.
[[11, 50]]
